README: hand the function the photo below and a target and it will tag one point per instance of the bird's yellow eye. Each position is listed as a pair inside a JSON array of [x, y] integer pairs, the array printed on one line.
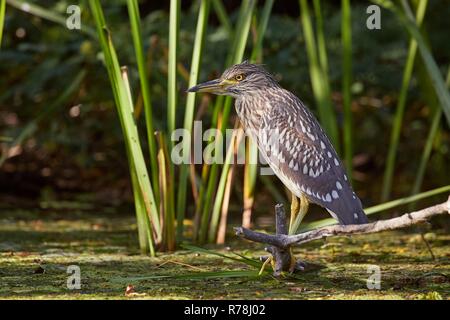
[[239, 77]]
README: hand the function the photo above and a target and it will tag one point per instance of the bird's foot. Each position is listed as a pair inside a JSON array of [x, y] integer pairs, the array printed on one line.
[[266, 260], [283, 261]]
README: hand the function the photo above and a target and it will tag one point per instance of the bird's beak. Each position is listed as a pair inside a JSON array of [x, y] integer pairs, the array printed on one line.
[[216, 86]]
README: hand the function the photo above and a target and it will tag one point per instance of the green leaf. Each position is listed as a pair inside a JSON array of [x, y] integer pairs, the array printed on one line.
[[398, 119], [407, 20]]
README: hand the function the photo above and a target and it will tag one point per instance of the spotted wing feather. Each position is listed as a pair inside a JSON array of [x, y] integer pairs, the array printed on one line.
[[301, 155]]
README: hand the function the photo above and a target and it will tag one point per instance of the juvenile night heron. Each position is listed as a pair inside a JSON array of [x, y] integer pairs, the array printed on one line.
[[301, 155]]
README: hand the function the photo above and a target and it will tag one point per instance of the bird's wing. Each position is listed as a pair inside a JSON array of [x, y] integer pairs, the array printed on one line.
[[301, 155]]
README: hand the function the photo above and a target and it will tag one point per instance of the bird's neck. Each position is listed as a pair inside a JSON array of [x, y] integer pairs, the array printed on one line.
[[251, 107], [250, 110]]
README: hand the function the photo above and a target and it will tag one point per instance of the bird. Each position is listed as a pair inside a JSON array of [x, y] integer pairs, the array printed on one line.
[[292, 142]]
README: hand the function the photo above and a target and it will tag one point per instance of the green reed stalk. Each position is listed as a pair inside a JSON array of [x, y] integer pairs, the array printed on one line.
[[321, 43], [238, 48], [319, 78], [135, 20], [346, 35], [124, 106], [212, 234], [398, 119], [428, 145], [251, 162], [218, 107], [256, 55], [202, 22], [2, 18], [167, 194], [407, 19], [222, 15], [144, 227], [172, 93]]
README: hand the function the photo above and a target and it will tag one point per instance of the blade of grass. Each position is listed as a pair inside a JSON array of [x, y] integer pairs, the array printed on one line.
[[407, 19], [250, 176], [193, 276], [2, 18], [209, 175], [242, 33], [378, 208], [144, 228], [251, 163], [202, 22], [319, 79], [135, 20], [256, 55], [428, 145], [208, 202], [250, 262], [175, 6], [323, 64], [222, 15], [398, 118], [235, 140], [222, 229], [124, 109], [167, 203], [239, 44], [321, 43], [346, 35]]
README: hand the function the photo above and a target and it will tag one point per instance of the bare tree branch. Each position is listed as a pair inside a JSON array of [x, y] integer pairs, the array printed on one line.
[[406, 220]]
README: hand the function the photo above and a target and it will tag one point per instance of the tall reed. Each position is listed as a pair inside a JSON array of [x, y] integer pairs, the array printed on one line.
[[346, 36], [406, 17], [319, 77], [149, 227], [436, 119], [222, 108], [251, 164], [398, 118], [135, 21], [202, 22], [2, 18]]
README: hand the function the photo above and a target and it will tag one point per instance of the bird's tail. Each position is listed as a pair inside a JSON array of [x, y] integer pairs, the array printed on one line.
[[349, 211], [359, 217]]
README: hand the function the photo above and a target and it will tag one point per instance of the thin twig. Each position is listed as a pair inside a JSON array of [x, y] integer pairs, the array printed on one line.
[[406, 220]]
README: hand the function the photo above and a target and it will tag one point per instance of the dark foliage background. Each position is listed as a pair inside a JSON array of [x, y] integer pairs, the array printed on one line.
[[76, 150]]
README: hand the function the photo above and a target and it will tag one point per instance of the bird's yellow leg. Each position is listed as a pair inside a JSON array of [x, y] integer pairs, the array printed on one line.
[[298, 212], [294, 211], [295, 221], [268, 260]]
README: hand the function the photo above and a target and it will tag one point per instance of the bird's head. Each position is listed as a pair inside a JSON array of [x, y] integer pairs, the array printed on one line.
[[238, 80]]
